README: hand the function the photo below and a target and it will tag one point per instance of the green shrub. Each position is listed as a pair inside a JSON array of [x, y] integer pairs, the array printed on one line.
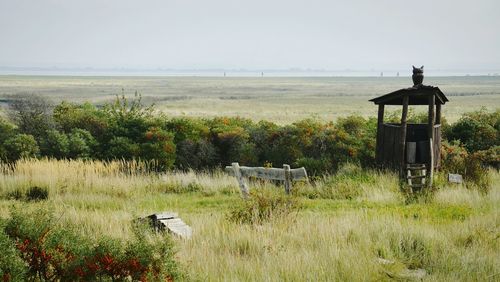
[[36, 193], [346, 184], [158, 145], [32, 114], [86, 116], [12, 267], [81, 144], [7, 130], [262, 206], [21, 146], [123, 148], [456, 159], [490, 157], [195, 155], [56, 253], [315, 167], [125, 129], [477, 130], [55, 144]]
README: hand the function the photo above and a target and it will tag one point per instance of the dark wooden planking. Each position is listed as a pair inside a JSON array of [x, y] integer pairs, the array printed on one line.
[[437, 146], [388, 144], [418, 96], [380, 130], [163, 215], [411, 152], [402, 135], [438, 113]]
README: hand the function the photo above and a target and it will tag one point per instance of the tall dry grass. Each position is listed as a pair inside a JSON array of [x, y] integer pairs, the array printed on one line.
[[367, 235]]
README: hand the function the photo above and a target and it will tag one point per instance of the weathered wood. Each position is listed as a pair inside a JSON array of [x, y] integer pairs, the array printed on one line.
[[438, 113], [411, 152], [388, 145], [285, 174], [455, 178], [402, 140], [241, 180], [164, 215], [437, 146], [396, 150], [430, 131], [170, 222], [269, 173], [431, 162], [177, 227], [380, 134], [288, 178]]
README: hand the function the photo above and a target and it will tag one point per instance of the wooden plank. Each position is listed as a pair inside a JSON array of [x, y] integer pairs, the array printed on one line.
[[288, 178], [438, 113], [409, 177], [402, 136], [431, 161], [411, 152], [380, 134], [430, 130], [241, 180], [437, 146], [170, 222], [269, 173], [163, 215], [395, 149], [388, 146]]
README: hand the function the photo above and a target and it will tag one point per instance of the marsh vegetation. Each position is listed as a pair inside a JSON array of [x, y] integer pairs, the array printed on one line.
[[353, 225]]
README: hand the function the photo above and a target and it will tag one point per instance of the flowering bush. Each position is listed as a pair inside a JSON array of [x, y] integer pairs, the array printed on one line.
[[54, 253], [127, 130], [456, 159]]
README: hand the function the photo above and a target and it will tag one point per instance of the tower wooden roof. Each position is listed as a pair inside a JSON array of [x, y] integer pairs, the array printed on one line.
[[418, 95]]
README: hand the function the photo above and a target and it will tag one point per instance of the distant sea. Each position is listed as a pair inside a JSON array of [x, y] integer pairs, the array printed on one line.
[[54, 71]]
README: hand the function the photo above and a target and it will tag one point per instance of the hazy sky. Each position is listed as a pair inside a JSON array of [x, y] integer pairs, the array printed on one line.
[[253, 34]]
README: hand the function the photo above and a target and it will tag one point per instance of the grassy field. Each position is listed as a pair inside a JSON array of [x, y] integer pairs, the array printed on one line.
[[374, 235], [282, 100], [350, 227]]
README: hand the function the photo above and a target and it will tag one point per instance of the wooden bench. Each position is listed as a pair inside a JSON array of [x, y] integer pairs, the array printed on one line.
[[284, 174]]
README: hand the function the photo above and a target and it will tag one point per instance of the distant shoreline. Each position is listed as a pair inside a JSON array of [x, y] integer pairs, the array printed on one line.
[[231, 75], [91, 72]]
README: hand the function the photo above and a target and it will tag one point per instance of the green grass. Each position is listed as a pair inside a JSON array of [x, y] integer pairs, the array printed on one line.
[[452, 235], [282, 100]]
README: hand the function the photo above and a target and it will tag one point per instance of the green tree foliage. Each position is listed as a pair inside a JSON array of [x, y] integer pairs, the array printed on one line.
[[125, 129], [69, 116], [32, 114], [21, 146], [158, 145], [55, 144], [194, 149], [7, 130], [477, 130], [81, 144]]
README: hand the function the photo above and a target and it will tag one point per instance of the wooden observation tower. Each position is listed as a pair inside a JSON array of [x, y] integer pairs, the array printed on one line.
[[412, 149]]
